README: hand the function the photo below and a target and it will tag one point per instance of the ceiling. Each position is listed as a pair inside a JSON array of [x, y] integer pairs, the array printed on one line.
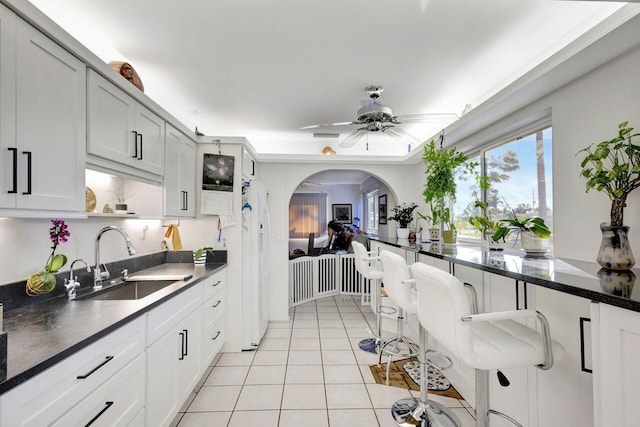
[[263, 69]]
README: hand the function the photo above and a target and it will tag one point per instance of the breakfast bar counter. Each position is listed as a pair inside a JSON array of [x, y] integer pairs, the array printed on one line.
[[580, 278]]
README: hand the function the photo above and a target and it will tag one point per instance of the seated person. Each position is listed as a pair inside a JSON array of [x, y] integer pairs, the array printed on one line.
[[339, 238], [362, 237]]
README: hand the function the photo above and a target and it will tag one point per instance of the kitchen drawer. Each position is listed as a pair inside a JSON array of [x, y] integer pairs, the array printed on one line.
[[48, 395], [214, 283], [212, 341], [213, 308], [116, 403], [162, 319]]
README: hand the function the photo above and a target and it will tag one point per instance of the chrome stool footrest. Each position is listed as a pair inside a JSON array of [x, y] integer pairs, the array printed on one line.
[[439, 360], [406, 411]]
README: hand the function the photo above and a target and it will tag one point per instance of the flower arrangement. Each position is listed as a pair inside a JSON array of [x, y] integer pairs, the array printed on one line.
[[403, 214], [45, 281]]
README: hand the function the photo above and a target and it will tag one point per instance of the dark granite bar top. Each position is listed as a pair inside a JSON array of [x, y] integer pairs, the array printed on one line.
[[42, 334], [580, 278]]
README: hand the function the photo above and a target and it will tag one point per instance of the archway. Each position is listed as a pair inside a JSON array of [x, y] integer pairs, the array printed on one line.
[[403, 181]]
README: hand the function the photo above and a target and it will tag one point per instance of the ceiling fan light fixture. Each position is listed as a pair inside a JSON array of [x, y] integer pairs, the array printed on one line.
[[328, 151]]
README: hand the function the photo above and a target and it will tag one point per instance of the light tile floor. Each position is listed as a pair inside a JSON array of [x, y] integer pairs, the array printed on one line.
[[308, 372]]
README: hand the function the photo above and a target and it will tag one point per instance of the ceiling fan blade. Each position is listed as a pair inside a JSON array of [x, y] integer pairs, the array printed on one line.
[[329, 124], [353, 137], [402, 136], [428, 118]]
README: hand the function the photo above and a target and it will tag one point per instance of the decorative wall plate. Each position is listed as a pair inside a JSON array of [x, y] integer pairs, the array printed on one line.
[[90, 200]]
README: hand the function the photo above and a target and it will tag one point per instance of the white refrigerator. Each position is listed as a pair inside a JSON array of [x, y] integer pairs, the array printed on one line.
[[255, 264]]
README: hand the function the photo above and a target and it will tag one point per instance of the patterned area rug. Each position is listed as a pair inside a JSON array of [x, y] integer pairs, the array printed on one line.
[[402, 372]]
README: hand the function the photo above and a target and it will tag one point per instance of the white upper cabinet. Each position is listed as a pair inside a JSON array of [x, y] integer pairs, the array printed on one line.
[[121, 130], [43, 120], [179, 175]]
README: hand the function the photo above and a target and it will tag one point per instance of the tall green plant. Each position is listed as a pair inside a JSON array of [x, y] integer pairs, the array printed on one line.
[[613, 166], [440, 182]]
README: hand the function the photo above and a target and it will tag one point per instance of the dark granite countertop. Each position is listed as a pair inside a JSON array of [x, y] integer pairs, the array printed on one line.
[[580, 278], [42, 334]]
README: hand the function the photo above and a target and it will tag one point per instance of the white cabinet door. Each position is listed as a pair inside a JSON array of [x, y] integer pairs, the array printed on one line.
[[179, 175], [111, 121], [564, 391], [173, 368], [51, 123], [616, 341], [7, 108], [162, 380], [150, 148], [189, 371], [42, 120], [121, 130]]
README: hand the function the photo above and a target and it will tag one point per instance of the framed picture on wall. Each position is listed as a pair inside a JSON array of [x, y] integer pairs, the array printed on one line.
[[382, 209], [342, 213]]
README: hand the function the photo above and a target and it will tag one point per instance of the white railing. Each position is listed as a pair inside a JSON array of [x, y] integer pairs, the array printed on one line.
[[325, 275]]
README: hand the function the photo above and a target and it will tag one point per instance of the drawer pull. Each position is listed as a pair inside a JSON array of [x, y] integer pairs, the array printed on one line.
[[216, 304], [106, 360], [217, 283], [217, 335], [107, 405]]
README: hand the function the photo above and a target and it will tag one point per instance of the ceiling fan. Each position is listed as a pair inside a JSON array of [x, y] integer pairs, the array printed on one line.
[[374, 116]]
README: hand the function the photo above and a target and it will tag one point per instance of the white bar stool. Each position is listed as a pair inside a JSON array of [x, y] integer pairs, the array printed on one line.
[[483, 341], [398, 284], [363, 261]]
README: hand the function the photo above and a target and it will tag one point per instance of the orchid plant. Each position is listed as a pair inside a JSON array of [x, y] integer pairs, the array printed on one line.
[[45, 281]]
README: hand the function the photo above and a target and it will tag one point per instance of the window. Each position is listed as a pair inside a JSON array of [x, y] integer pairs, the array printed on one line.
[[520, 173], [372, 212], [307, 214]]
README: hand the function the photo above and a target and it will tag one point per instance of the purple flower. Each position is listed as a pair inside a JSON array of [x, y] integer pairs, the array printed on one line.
[[58, 232]]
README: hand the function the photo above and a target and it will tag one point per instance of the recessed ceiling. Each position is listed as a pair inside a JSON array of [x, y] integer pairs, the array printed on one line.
[[263, 69]]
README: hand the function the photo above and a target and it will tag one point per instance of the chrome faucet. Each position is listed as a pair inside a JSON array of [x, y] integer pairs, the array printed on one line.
[[72, 283], [98, 274]]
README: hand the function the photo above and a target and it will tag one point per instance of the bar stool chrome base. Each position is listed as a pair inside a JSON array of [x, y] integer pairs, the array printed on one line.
[[436, 414]]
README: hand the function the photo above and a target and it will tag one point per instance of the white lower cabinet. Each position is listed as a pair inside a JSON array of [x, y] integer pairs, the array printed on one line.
[[116, 403], [616, 346], [173, 369], [83, 382]]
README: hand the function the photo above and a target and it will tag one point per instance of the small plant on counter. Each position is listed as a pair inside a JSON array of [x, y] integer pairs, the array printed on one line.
[[200, 255], [403, 214], [45, 281], [534, 224]]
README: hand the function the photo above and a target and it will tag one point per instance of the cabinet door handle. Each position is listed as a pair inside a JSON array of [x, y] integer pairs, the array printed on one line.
[[106, 360], [107, 405], [14, 188], [140, 135], [217, 283], [186, 342], [181, 345], [216, 304], [135, 144], [186, 200], [28, 153], [217, 335]]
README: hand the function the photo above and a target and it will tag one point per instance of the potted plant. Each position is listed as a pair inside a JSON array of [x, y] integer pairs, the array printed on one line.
[[613, 166], [200, 255], [483, 222], [403, 214], [533, 233], [121, 198], [440, 185]]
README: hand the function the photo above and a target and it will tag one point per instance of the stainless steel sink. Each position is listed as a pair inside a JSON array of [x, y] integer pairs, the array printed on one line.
[[130, 290]]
